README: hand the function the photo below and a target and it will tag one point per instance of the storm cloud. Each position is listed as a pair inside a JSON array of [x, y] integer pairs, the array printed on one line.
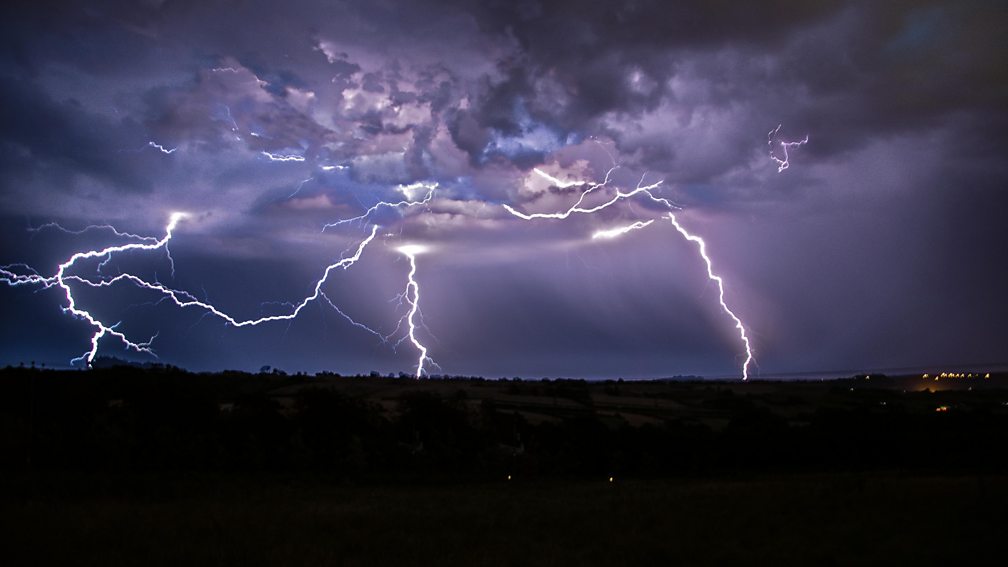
[[879, 247]]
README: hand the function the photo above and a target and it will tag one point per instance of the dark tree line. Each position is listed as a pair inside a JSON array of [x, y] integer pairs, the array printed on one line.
[[164, 419]]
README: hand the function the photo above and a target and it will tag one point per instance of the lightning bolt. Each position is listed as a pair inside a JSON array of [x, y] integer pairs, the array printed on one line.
[[702, 247], [412, 295], [161, 148], [785, 163], [620, 195], [282, 157], [298, 189], [90, 227], [611, 233], [101, 329], [21, 274], [184, 299], [234, 123], [409, 201]]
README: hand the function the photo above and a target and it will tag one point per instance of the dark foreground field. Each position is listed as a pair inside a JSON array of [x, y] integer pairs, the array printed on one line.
[[807, 520], [157, 466]]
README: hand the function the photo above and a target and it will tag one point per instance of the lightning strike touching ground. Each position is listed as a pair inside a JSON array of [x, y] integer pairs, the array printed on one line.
[[616, 232], [101, 328], [784, 163], [702, 246], [412, 295], [20, 274], [611, 233]]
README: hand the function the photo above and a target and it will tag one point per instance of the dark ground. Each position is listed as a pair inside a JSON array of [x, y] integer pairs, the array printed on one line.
[[126, 466], [846, 519]]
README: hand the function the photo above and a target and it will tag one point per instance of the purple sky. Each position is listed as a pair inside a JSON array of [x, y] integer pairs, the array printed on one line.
[[881, 245]]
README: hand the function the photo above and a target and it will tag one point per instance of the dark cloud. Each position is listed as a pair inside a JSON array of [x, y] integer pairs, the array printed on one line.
[[58, 141]]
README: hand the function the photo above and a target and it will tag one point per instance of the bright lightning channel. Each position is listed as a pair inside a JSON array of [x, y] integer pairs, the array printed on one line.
[[101, 328], [283, 157], [161, 148], [785, 163], [185, 299], [641, 188], [13, 276], [620, 231], [412, 295], [612, 233], [702, 246], [410, 200]]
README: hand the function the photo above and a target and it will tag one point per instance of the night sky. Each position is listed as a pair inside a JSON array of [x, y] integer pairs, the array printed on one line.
[[882, 245]]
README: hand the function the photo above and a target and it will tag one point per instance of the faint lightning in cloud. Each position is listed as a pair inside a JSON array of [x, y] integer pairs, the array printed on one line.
[[784, 163], [353, 321], [702, 246], [90, 227], [298, 189], [234, 123]]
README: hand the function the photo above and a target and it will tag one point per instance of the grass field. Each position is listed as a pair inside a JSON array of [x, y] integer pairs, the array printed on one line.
[[216, 520]]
